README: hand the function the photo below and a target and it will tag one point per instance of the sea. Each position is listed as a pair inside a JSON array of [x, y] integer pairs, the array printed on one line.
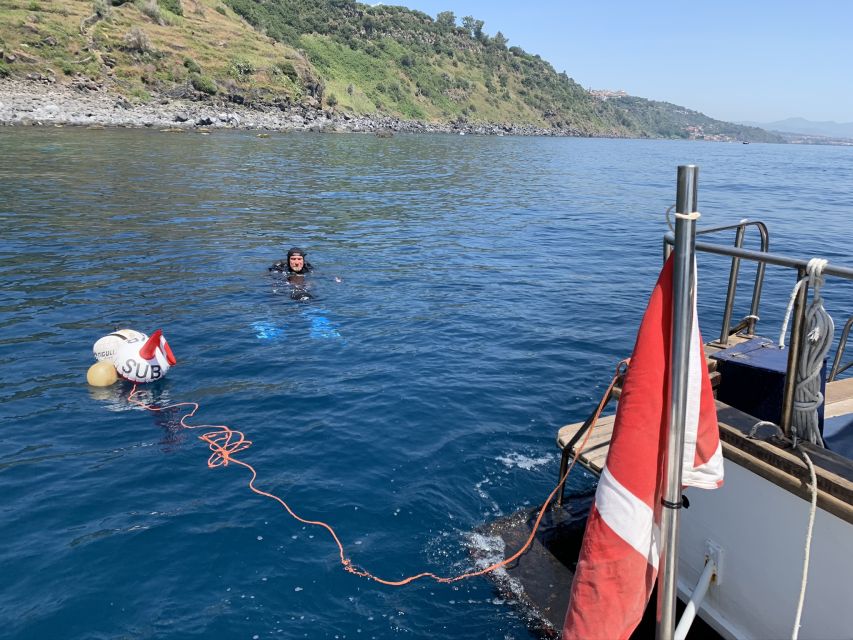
[[470, 295]]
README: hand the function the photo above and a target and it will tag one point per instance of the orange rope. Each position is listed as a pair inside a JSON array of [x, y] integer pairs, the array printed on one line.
[[224, 442]]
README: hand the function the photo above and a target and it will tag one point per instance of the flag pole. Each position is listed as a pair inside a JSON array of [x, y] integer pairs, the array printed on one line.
[[682, 323]]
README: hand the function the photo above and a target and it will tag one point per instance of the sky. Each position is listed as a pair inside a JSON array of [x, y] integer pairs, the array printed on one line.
[[732, 60]]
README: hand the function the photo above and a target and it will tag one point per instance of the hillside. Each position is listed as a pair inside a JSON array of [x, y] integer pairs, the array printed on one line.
[[339, 55], [142, 50], [801, 126], [672, 121]]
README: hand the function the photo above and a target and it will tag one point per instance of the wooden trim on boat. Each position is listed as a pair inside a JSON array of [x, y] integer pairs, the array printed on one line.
[[838, 398], [769, 457]]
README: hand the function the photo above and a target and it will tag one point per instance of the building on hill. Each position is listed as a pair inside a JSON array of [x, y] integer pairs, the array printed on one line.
[[605, 94]]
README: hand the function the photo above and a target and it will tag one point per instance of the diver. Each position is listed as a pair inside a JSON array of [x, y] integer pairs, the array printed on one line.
[[294, 263], [295, 266]]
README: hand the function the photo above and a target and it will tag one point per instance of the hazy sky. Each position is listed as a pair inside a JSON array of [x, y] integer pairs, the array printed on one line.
[[732, 60]]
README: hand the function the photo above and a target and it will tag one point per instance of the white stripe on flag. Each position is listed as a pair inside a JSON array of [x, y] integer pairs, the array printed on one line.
[[694, 395], [628, 516], [708, 475]]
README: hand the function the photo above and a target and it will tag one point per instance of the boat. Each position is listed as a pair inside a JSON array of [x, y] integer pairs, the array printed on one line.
[[770, 553]]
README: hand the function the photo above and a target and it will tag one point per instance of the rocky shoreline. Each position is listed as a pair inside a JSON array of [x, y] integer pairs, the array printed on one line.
[[85, 103]]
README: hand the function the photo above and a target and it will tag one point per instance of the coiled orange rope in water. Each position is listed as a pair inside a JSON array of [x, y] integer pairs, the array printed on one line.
[[224, 442]]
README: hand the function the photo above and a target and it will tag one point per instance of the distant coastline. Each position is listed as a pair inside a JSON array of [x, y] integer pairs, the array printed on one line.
[[32, 103]]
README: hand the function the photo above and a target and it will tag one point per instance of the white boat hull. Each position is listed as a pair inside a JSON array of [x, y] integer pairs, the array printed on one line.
[[761, 529]]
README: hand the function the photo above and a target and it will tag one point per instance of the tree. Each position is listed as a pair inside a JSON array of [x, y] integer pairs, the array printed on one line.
[[446, 20], [474, 27], [500, 39]]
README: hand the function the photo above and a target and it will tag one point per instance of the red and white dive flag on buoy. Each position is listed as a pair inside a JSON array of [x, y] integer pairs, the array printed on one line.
[[621, 548]]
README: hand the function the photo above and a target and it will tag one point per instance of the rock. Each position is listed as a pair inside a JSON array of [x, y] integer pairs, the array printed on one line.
[[26, 58], [50, 41], [204, 122], [181, 117], [9, 57]]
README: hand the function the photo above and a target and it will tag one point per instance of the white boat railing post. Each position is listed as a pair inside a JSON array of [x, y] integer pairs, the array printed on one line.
[[682, 322]]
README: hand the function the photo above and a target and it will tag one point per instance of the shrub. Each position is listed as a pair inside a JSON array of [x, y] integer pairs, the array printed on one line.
[[285, 68], [101, 8], [240, 67], [204, 84], [140, 94], [331, 100], [221, 10], [4, 70], [192, 66], [137, 40], [172, 5], [151, 9]]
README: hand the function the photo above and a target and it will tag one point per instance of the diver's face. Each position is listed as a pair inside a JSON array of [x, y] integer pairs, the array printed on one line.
[[296, 262]]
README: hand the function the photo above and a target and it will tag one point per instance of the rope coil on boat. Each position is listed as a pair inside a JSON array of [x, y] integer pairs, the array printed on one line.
[[819, 331]]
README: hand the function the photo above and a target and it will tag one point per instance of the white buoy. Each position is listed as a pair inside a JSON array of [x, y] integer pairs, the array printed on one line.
[[144, 361], [107, 347]]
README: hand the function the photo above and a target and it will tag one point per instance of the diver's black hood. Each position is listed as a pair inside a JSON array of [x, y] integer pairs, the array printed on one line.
[[296, 251]]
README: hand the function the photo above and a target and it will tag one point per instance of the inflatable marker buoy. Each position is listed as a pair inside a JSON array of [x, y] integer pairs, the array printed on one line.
[[101, 374], [107, 347], [144, 361]]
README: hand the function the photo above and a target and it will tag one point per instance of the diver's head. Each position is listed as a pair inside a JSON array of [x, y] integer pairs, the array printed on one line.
[[295, 260]]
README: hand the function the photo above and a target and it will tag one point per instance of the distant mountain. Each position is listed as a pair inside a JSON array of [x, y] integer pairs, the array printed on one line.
[[808, 127]]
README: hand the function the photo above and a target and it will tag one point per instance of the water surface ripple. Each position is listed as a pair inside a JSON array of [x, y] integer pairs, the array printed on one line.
[[487, 288]]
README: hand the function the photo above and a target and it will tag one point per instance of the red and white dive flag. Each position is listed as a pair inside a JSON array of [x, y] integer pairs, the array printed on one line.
[[621, 548]]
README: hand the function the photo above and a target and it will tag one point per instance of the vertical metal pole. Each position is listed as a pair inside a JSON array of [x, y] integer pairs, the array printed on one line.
[[795, 345], [759, 279], [730, 294], [682, 324]]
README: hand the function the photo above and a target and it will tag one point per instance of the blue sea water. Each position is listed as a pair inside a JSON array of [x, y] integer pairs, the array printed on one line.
[[470, 296]]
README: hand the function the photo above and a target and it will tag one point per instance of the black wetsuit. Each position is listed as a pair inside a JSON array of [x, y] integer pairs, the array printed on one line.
[[295, 279]]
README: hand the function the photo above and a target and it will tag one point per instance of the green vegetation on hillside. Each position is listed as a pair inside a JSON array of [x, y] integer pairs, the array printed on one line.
[[143, 48], [403, 62], [339, 54], [671, 121]]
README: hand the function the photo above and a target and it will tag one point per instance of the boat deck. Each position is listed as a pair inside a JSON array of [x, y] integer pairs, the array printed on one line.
[[766, 454]]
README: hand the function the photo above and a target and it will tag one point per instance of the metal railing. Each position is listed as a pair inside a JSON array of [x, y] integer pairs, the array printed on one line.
[[747, 323], [842, 345], [799, 312]]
